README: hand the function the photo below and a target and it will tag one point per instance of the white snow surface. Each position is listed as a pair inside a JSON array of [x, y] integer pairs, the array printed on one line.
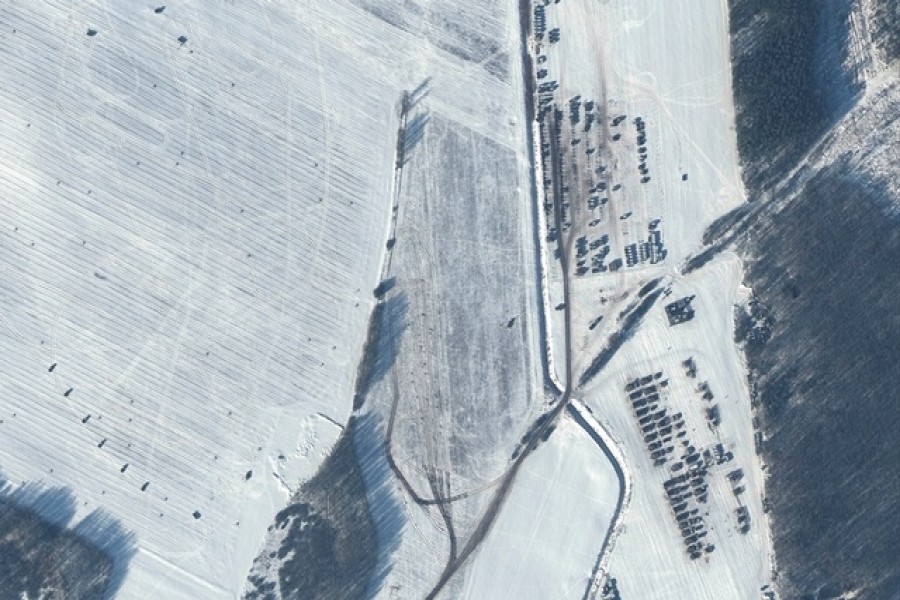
[[190, 232], [650, 537], [208, 308], [544, 542], [668, 63]]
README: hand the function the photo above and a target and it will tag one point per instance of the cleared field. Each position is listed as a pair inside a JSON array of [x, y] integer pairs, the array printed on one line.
[[676, 398], [466, 379], [635, 129], [638, 96], [635, 116], [189, 235], [541, 544], [467, 361], [195, 205]]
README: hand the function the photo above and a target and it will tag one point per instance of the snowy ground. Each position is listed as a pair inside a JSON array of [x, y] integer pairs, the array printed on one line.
[[467, 352], [667, 65], [190, 234], [648, 159], [739, 565], [466, 380], [466, 372], [544, 543]]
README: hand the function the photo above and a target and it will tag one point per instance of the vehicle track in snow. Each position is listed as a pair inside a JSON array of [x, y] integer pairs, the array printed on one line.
[[545, 424]]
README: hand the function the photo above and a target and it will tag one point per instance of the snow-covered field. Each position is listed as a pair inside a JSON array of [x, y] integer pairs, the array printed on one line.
[[190, 232], [647, 147], [739, 565], [667, 64], [192, 229], [466, 372], [189, 236], [544, 543], [467, 350], [465, 381]]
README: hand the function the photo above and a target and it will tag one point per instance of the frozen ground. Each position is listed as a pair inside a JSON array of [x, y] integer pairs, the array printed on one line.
[[465, 380], [196, 202], [544, 543], [190, 235], [667, 66], [467, 356], [739, 565], [192, 230], [640, 107]]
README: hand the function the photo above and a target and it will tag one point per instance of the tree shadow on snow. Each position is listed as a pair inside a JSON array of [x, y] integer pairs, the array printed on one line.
[[335, 540], [386, 326], [385, 509], [39, 550]]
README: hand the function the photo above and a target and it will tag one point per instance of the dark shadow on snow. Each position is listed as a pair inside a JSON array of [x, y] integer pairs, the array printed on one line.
[[386, 324], [40, 551], [336, 539]]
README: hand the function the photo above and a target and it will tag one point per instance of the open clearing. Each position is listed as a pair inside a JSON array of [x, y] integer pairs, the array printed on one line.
[[461, 328], [705, 408], [190, 235], [638, 154], [541, 544], [194, 215]]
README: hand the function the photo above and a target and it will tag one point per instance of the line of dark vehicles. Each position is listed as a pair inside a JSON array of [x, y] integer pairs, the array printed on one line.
[[657, 427], [641, 127], [590, 183], [686, 488], [584, 178], [666, 439]]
